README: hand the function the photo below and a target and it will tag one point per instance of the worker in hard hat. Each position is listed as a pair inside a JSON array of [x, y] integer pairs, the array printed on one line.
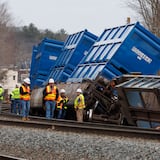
[[16, 100], [62, 104], [51, 94], [25, 98], [79, 105], [1, 96]]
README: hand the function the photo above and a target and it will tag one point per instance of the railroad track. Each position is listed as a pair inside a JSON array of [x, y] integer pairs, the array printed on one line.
[[7, 157], [55, 124]]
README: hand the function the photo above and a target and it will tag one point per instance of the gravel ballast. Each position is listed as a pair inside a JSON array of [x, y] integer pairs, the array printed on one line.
[[40, 144]]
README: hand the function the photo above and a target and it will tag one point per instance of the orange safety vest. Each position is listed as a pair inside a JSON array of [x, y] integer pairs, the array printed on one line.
[[51, 93], [59, 102], [25, 97]]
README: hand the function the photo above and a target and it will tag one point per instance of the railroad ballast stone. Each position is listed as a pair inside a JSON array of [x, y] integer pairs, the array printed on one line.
[[49, 145]]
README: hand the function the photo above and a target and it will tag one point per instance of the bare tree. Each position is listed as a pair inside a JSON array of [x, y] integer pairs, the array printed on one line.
[[149, 11], [5, 17], [7, 38]]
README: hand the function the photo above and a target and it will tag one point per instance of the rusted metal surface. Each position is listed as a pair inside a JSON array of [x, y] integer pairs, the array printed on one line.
[[37, 97], [37, 94], [104, 108], [140, 100]]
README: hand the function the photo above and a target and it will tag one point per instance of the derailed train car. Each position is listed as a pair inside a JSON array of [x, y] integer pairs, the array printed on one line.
[[137, 102], [100, 107], [118, 51], [139, 97]]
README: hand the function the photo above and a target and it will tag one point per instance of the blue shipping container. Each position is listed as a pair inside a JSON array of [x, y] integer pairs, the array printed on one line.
[[120, 50], [75, 48], [44, 57]]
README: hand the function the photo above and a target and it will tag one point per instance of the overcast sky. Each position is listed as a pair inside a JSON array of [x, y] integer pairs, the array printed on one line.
[[72, 15]]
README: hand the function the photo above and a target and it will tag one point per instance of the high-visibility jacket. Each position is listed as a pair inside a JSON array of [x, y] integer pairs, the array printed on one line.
[[1, 93], [50, 93], [65, 101], [16, 93], [61, 102], [11, 96], [79, 102], [26, 96]]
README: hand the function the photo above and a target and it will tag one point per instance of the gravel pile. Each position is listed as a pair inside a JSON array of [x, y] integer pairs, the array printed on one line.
[[39, 144]]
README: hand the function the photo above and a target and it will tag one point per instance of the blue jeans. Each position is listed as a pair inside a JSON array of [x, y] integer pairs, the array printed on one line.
[[12, 106], [64, 114], [61, 114], [17, 105], [50, 108], [25, 108]]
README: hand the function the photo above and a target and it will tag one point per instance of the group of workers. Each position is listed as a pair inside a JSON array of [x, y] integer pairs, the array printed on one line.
[[54, 100]]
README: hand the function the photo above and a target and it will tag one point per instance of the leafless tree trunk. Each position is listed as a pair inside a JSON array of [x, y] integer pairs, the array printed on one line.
[[149, 10], [7, 42]]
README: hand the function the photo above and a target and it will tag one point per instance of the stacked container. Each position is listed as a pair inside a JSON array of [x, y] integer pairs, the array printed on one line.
[[120, 50], [44, 57], [75, 48]]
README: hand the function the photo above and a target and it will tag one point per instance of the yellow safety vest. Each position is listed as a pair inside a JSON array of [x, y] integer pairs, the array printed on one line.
[[16, 93], [65, 101], [79, 102], [25, 97], [51, 93], [1, 93], [61, 102]]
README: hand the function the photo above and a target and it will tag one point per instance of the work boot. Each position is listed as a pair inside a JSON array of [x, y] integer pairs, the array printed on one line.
[[24, 119], [27, 119]]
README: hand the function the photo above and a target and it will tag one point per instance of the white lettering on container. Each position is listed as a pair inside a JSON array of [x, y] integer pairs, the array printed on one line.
[[141, 55], [52, 58]]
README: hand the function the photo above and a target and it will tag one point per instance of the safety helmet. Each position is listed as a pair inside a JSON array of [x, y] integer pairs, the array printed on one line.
[[27, 80], [0, 85], [79, 90], [62, 91], [51, 80]]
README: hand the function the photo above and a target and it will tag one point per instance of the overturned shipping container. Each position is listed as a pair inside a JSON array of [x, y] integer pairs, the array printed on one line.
[[118, 51], [44, 57], [75, 48]]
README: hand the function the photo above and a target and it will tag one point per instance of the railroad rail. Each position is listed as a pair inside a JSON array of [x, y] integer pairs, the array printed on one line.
[[67, 125], [7, 157]]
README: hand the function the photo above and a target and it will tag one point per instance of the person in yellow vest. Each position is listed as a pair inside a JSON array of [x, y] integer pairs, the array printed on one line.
[[62, 104], [1, 96], [16, 100], [25, 98], [50, 95], [79, 105]]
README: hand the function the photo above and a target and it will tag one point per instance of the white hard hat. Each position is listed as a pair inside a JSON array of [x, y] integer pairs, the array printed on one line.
[[79, 90], [62, 91], [0, 84], [51, 80], [27, 80]]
